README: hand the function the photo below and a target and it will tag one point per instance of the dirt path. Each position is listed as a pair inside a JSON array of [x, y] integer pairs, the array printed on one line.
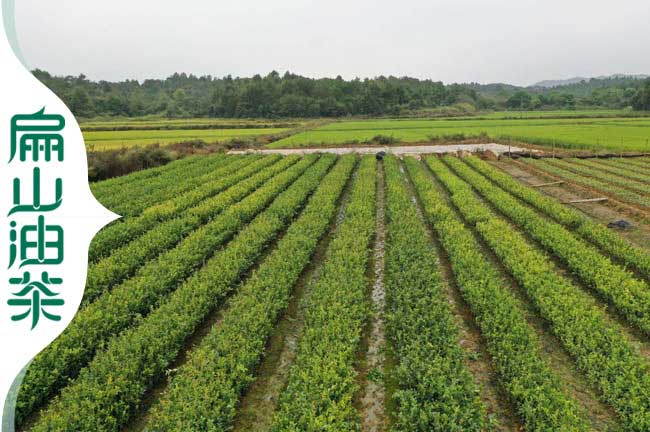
[[398, 150], [373, 391], [257, 405]]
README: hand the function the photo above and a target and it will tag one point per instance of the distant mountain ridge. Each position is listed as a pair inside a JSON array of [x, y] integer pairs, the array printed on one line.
[[576, 80]]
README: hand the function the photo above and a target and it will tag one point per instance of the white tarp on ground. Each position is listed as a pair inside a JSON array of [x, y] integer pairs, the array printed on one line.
[[398, 150]]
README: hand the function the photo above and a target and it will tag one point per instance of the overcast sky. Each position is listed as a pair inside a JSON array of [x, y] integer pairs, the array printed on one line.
[[513, 41]]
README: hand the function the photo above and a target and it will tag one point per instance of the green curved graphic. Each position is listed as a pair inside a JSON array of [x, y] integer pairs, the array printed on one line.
[[9, 18], [9, 21], [8, 412]]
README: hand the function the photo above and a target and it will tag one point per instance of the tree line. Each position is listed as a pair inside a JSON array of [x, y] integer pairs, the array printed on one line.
[[641, 100], [612, 92], [291, 95]]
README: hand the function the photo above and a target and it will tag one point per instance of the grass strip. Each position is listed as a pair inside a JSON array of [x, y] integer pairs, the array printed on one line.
[[579, 168], [612, 166]]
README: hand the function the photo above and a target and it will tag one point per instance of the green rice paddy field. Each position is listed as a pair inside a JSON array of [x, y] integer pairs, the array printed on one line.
[[604, 130], [108, 134], [184, 123], [606, 134], [565, 114], [107, 140]]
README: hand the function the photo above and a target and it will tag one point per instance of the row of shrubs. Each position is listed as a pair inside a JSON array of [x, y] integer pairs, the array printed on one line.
[[116, 310], [322, 382], [434, 388], [230, 184], [204, 393], [527, 378], [626, 293], [132, 247], [140, 356], [624, 252], [597, 345]]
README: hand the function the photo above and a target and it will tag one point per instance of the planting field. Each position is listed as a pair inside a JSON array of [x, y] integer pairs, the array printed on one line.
[[600, 134], [602, 113], [186, 123], [624, 180], [115, 139], [342, 293]]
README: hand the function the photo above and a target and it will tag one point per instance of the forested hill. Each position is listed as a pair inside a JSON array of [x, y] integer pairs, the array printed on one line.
[[290, 95], [587, 83]]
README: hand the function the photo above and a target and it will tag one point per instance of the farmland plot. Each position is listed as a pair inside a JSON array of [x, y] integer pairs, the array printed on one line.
[[621, 186], [185, 293], [606, 134]]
